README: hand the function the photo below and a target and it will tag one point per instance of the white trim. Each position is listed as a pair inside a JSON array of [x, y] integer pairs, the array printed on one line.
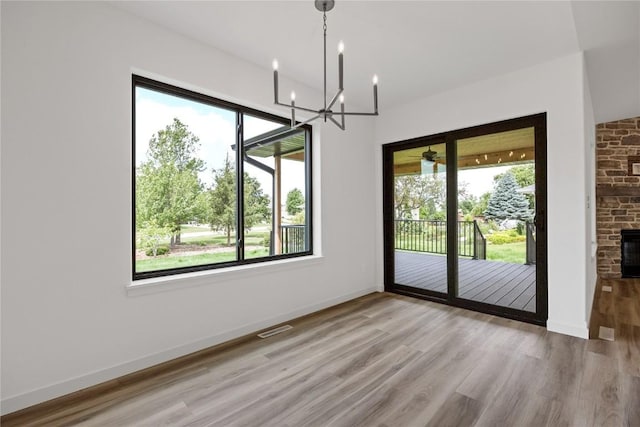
[[580, 331], [208, 277], [15, 403]]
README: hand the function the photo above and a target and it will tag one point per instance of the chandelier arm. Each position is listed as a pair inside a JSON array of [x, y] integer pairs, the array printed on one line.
[[347, 113], [341, 126], [297, 107], [335, 98], [305, 122]]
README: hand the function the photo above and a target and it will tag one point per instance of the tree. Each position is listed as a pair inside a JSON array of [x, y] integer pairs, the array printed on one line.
[[222, 201], [507, 203], [427, 193], [167, 184], [295, 202], [524, 174], [150, 236], [481, 205]]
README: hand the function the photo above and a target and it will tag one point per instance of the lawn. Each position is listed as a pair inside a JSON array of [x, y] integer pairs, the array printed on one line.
[[166, 262], [250, 239], [193, 229], [515, 253]]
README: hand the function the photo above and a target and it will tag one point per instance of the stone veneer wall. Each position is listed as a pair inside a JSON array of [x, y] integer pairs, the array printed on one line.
[[617, 193]]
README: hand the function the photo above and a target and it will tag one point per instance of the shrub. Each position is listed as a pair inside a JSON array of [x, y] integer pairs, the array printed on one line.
[[504, 237], [266, 240], [160, 250], [150, 236]]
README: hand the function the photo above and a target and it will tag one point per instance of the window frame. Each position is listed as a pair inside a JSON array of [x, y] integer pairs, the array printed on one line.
[[240, 111]]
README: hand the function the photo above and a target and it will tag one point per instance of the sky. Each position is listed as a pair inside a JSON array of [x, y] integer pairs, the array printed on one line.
[[215, 127], [480, 180]]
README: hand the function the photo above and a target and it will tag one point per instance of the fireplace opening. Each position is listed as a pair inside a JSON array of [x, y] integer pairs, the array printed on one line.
[[630, 253]]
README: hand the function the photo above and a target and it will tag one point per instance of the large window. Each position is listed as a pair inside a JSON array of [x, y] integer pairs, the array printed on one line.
[[215, 184]]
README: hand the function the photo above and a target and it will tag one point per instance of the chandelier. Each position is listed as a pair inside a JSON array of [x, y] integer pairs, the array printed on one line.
[[326, 112]]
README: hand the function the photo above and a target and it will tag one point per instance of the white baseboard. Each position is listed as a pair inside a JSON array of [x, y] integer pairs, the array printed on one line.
[[15, 403], [580, 331]]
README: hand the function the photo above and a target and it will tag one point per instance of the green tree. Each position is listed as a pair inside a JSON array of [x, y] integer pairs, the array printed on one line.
[[506, 202], [167, 184], [295, 202], [524, 175], [481, 205], [150, 235], [222, 201], [424, 192]]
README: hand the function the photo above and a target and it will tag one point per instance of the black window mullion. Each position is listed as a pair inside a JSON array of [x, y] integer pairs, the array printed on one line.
[[239, 187], [308, 235]]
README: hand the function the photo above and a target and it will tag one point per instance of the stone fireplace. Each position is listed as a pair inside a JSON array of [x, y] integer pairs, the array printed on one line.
[[617, 192]]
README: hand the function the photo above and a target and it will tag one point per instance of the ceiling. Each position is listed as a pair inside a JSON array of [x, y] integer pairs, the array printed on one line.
[[419, 48], [502, 148]]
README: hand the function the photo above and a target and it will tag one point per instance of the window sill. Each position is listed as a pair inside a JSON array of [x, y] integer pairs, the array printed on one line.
[[208, 277]]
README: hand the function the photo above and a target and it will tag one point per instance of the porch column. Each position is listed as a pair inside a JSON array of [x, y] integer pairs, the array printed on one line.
[[277, 206]]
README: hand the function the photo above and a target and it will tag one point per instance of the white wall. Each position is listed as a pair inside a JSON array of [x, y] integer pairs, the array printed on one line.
[[556, 88], [67, 320]]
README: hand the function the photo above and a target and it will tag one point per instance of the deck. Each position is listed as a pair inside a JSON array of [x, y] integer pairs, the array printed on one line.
[[492, 282]]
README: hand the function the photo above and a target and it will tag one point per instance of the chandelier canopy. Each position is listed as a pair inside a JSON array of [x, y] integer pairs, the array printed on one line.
[[326, 112]]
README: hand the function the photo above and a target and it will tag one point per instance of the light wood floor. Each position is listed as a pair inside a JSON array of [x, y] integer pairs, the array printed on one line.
[[493, 282], [385, 360]]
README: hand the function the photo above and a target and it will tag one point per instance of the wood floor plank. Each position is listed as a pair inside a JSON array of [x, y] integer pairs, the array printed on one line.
[[385, 360], [458, 410]]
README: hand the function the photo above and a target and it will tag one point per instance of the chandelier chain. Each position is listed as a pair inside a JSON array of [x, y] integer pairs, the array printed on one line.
[[324, 27]]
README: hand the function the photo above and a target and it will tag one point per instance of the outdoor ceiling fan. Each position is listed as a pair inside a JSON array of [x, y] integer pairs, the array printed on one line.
[[430, 162], [430, 155]]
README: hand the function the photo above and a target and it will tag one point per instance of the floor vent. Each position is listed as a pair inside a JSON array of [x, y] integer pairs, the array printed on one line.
[[276, 331]]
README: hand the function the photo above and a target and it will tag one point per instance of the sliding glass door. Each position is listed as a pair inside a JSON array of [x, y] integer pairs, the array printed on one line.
[[464, 218], [496, 205], [420, 219]]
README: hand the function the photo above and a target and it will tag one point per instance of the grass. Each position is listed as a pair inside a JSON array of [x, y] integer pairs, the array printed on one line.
[[252, 239], [164, 263], [193, 229], [515, 253]]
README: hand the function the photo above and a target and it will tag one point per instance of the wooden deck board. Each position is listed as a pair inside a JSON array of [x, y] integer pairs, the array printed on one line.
[[493, 282]]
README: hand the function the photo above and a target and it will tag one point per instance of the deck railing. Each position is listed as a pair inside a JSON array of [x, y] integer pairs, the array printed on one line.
[[480, 243], [531, 243], [431, 236], [292, 238]]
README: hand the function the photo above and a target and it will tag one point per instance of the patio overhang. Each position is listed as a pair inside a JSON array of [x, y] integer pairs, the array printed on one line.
[[282, 142], [499, 149]]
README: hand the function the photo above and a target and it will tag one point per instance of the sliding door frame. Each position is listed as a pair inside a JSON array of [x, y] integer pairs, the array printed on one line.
[[539, 123]]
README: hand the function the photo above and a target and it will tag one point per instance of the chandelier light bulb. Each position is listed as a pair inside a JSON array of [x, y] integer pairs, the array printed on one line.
[[293, 96], [341, 99], [341, 47], [375, 79], [275, 65]]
